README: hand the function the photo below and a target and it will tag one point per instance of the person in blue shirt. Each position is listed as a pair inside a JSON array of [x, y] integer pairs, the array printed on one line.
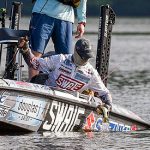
[[54, 19]]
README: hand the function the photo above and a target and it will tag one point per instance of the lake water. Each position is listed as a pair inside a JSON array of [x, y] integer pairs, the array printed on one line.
[[129, 84]]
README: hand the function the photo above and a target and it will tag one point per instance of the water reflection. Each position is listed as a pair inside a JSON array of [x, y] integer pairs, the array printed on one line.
[[127, 78], [141, 134]]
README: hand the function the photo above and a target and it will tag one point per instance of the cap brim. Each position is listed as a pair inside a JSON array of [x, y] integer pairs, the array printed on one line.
[[87, 56]]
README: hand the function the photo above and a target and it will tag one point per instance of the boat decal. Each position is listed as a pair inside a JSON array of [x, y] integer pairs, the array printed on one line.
[[68, 83], [19, 119], [94, 123], [43, 88], [28, 110], [62, 117], [7, 101], [114, 126], [101, 126], [134, 127], [30, 86], [90, 121], [4, 111], [23, 84], [28, 107], [4, 95]]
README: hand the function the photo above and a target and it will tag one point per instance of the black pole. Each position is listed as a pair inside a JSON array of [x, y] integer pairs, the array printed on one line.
[[15, 15], [106, 20], [3, 12], [14, 24]]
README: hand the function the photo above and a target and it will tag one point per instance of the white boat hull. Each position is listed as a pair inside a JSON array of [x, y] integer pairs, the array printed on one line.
[[33, 107]]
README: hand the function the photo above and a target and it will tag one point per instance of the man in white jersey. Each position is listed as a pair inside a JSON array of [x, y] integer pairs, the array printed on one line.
[[71, 72]]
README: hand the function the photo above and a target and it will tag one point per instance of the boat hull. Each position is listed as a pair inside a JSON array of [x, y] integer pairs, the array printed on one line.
[[33, 107]]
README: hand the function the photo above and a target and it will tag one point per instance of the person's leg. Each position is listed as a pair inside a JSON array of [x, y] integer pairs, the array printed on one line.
[[41, 27], [62, 37]]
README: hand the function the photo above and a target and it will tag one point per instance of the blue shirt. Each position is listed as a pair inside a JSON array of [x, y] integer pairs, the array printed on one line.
[[56, 9]]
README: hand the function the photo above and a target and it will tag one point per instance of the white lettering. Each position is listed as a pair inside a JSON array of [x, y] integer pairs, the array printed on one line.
[[73, 118], [67, 119], [77, 120], [106, 26], [68, 83], [47, 126], [4, 110], [65, 83], [62, 117]]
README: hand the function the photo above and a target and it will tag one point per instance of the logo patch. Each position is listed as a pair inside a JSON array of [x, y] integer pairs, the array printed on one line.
[[80, 77], [64, 70], [68, 63], [68, 83]]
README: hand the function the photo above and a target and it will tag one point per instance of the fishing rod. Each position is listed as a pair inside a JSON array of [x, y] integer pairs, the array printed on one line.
[[113, 70], [3, 12]]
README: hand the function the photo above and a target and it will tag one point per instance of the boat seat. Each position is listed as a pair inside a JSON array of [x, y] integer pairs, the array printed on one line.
[[8, 35]]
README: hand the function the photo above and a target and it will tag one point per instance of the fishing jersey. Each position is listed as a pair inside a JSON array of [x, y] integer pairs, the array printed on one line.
[[64, 74]]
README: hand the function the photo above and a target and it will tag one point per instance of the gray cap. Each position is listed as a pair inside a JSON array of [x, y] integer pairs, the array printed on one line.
[[84, 48]]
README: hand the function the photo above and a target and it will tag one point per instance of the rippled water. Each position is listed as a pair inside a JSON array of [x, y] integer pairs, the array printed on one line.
[[129, 83], [77, 141]]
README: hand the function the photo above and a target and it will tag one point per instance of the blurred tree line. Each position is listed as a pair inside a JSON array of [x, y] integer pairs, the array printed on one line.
[[139, 8]]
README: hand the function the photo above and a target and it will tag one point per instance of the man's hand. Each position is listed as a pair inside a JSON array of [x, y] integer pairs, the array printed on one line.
[[80, 30], [34, 63], [23, 44]]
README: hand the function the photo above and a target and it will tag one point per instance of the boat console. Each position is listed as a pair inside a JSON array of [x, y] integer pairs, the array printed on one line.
[[8, 35]]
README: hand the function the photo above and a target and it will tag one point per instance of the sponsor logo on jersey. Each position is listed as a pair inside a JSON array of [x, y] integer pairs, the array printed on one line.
[[68, 62], [81, 77], [64, 70], [68, 83]]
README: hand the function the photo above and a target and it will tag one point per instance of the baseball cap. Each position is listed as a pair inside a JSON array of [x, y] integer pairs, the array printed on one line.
[[84, 48]]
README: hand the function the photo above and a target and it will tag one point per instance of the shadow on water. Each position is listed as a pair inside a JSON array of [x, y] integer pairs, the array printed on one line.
[[7, 133], [11, 130], [140, 134], [14, 132]]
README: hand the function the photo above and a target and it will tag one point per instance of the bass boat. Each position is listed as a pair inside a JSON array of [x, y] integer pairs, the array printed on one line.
[[32, 107], [35, 107]]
